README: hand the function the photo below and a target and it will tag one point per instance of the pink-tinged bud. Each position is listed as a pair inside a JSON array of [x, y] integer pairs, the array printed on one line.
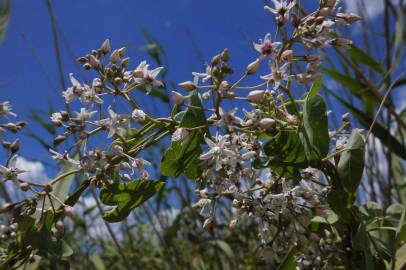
[[122, 51], [115, 57], [233, 223], [15, 146], [70, 212], [352, 18], [313, 237], [106, 46], [138, 115], [331, 3], [177, 98], [314, 58], [253, 67], [126, 177], [256, 95], [94, 62], [208, 223], [287, 55], [326, 11], [125, 166], [267, 123], [188, 86], [24, 187], [60, 227], [341, 42], [6, 207]]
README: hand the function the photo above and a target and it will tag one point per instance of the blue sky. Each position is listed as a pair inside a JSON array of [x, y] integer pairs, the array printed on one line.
[[190, 31]]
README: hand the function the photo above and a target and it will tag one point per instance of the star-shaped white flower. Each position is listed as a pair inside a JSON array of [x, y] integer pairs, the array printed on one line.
[[146, 77], [10, 172], [218, 151], [266, 47]]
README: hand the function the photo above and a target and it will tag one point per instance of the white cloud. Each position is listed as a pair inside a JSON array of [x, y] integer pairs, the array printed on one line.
[[35, 170], [371, 8]]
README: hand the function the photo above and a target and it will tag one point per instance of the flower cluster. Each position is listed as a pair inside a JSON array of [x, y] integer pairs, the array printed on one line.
[[249, 159]]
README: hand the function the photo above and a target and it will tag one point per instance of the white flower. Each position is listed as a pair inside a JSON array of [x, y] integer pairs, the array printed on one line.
[[117, 122], [282, 9], [138, 115], [139, 165], [89, 94], [73, 92], [266, 47], [205, 76], [5, 109], [63, 158], [84, 114], [229, 119], [180, 134], [277, 75], [206, 207], [218, 152], [147, 77], [10, 172]]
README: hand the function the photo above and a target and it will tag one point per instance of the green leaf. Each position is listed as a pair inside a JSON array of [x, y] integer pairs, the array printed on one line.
[[355, 87], [5, 8], [316, 87], [359, 55], [127, 196], [315, 124], [378, 130], [184, 156], [401, 258], [289, 262], [286, 154], [97, 261], [62, 187], [351, 165]]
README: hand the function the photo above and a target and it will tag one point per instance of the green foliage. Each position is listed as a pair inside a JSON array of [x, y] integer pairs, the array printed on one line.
[[127, 196], [316, 139], [183, 156], [351, 164]]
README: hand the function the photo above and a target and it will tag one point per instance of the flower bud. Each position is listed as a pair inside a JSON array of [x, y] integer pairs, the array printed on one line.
[[215, 60], [126, 62], [94, 62], [6, 207], [233, 223], [225, 55], [59, 139], [12, 127], [325, 11], [125, 166], [341, 42], [177, 98], [208, 223], [188, 86], [256, 95], [287, 55], [106, 46], [138, 115], [60, 227], [70, 211], [253, 67], [24, 187], [115, 57], [122, 51], [48, 188], [15, 146], [82, 60], [345, 118], [126, 177], [267, 123]]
